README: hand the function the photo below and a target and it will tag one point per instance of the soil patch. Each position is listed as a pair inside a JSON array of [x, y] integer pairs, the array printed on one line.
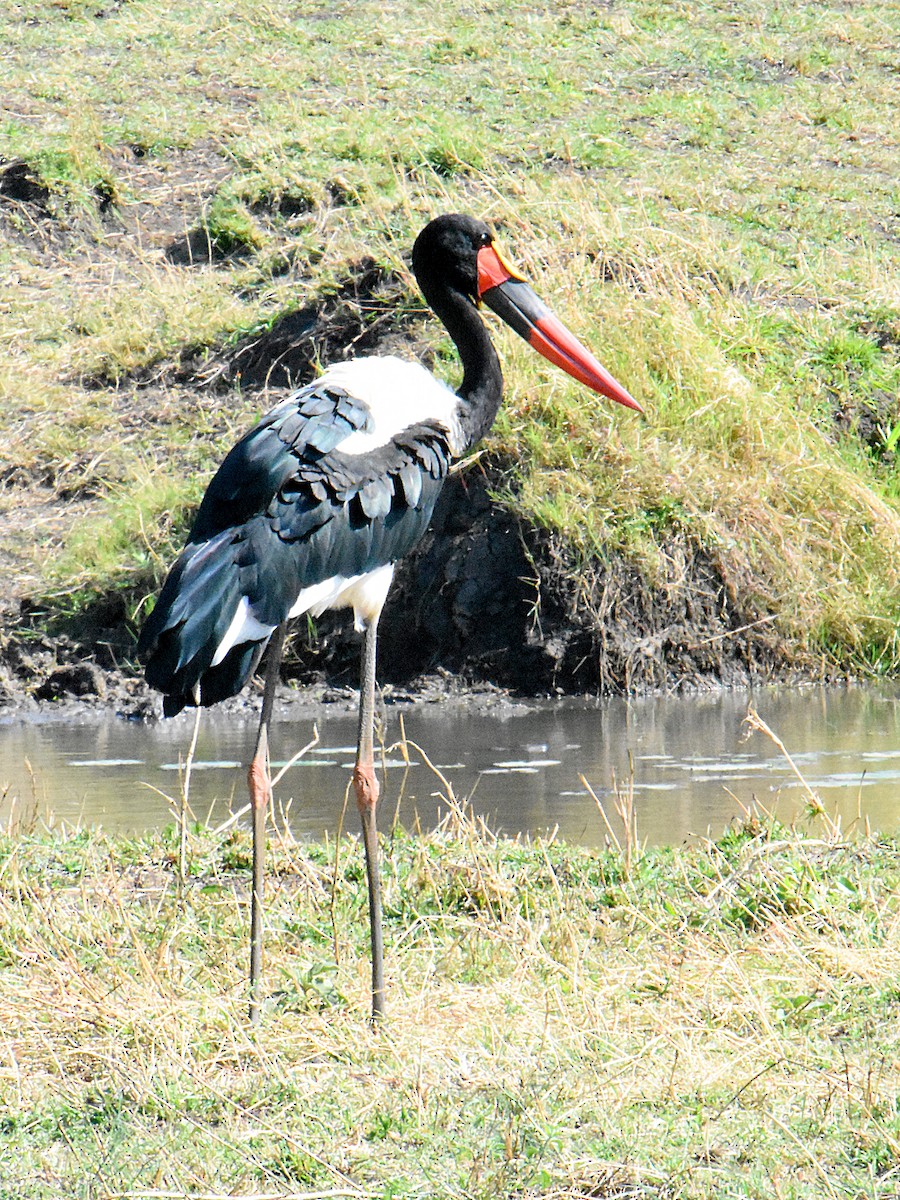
[[18, 183], [164, 195]]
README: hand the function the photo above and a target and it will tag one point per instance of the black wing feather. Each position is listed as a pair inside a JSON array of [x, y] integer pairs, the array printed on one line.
[[286, 509]]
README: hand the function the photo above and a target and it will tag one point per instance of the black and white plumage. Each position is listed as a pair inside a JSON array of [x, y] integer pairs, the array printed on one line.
[[313, 507], [309, 511]]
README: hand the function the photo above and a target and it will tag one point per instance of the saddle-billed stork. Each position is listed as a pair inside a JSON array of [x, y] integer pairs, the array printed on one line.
[[314, 506]]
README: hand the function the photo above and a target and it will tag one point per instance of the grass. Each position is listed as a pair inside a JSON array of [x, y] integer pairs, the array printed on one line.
[[707, 195], [716, 1020]]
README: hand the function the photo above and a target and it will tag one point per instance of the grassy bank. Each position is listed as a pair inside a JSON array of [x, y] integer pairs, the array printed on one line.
[[715, 1021], [707, 194]]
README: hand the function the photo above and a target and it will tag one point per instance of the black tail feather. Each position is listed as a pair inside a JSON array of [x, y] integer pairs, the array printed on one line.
[[220, 682], [181, 636]]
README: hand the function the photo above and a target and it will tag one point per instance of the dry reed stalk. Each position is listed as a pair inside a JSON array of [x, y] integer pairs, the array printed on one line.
[[629, 846], [755, 723]]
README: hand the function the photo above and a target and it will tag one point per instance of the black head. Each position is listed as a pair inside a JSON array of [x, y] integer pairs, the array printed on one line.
[[457, 267], [446, 254]]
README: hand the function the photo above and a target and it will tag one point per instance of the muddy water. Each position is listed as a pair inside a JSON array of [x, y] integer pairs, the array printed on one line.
[[692, 765]]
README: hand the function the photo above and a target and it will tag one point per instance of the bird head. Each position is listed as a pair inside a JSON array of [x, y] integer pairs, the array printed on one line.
[[459, 252]]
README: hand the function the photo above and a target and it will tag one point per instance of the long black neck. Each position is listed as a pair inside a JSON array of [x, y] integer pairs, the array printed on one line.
[[481, 389]]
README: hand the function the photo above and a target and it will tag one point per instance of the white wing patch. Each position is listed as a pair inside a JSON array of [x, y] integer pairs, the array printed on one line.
[[397, 394], [244, 627], [365, 594]]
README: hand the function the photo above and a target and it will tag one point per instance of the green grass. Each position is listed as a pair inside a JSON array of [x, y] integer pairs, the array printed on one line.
[[706, 194], [713, 1021]]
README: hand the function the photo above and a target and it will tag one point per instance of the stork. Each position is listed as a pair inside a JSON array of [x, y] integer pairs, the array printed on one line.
[[313, 507]]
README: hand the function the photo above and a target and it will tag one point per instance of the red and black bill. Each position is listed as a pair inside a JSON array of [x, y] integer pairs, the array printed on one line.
[[514, 301]]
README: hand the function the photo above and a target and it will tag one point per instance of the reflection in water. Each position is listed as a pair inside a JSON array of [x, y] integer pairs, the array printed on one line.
[[692, 768]]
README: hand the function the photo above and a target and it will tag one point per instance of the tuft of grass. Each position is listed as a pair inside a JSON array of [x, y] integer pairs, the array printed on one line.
[[123, 543], [698, 1022], [229, 224]]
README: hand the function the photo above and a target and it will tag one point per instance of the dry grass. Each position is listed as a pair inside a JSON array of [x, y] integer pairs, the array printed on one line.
[[720, 1021]]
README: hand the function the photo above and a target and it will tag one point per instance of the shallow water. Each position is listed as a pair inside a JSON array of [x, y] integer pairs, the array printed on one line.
[[693, 767]]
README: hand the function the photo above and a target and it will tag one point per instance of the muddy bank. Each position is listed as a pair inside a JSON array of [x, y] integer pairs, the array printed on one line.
[[487, 608], [488, 605]]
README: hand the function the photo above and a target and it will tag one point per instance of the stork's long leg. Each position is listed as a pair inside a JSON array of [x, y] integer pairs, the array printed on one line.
[[366, 787], [259, 785]]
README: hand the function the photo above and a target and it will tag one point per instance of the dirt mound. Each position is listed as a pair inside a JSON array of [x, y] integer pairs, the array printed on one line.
[[493, 598], [484, 598]]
